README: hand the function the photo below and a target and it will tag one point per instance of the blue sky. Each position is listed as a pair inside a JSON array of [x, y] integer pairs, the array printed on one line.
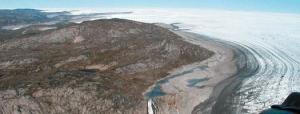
[[291, 6]]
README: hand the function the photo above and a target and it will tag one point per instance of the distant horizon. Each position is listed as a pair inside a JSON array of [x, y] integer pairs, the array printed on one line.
[[277, 6], [133, 10]]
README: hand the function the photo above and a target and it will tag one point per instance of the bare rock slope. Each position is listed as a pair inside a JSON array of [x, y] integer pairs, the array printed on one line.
[[100, 66]]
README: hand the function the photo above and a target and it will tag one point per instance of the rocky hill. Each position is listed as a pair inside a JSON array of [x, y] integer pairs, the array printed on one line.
[[21, 16], [17, 22], [100, 66]]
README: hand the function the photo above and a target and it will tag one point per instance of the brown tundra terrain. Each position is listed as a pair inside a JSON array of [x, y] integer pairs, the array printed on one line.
[[101, 66]]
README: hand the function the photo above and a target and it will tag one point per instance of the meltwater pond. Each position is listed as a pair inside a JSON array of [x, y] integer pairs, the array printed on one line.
[[156, 91]]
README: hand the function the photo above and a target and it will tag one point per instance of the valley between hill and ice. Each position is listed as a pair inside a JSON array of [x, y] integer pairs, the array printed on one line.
[[272, 38]]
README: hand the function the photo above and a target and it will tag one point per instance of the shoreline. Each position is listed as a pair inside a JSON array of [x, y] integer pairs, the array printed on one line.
[[187, 91]]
